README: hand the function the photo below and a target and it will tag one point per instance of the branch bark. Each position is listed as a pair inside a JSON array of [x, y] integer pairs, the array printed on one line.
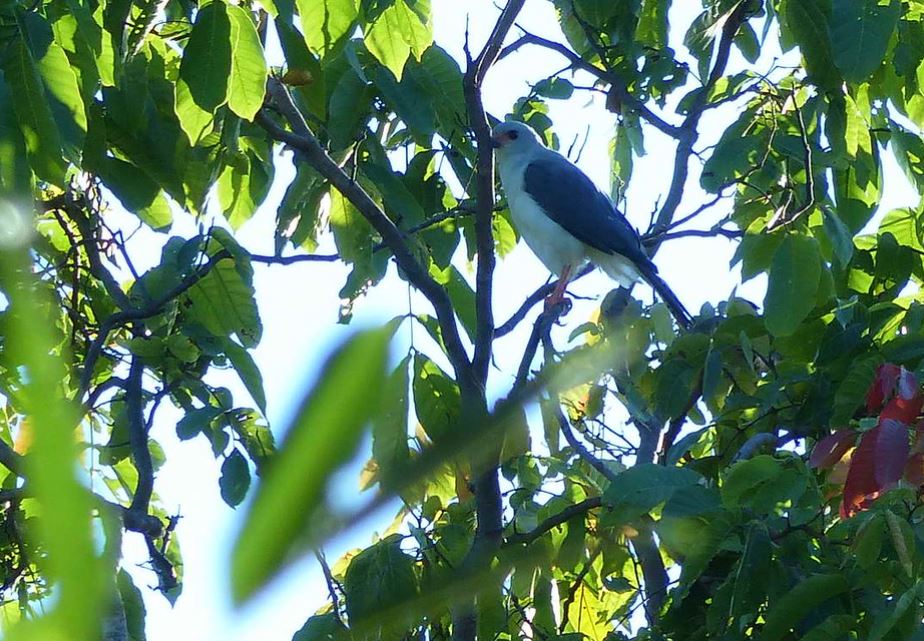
[[303, 139], [484, 186]]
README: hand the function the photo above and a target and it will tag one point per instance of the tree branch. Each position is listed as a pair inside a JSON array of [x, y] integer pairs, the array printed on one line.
[[688, 132], [11, 459], [484, 187], [532, 300], [616, 84], [302, 139], [554, 521], [130, 314], [579, 447], [138, 438]]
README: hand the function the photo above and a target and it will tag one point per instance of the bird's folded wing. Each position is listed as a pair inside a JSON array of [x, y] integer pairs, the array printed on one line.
[[572, 200]]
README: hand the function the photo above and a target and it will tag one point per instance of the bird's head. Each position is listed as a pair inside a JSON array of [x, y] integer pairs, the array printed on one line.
[[513, 137]]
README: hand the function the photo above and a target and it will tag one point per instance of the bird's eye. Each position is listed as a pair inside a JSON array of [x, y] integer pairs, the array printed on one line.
[[513, 135]]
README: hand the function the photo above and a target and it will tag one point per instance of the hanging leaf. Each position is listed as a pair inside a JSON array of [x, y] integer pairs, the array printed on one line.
[[793, 284], [204, 71], [787, 611], [235, 479], [860, 33], [247, 82]]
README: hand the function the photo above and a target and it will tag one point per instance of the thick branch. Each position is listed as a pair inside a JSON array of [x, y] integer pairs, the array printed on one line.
[[484, 188], [11, 459], [302, 139], [138, 438]]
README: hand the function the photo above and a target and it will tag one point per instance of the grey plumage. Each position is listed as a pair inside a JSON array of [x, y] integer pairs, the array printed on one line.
[[566, 219]]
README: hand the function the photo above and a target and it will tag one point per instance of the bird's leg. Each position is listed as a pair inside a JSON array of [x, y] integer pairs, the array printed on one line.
[[558, 294]]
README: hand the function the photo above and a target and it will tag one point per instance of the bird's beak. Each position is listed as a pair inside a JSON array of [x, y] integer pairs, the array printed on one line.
[[495, 142]]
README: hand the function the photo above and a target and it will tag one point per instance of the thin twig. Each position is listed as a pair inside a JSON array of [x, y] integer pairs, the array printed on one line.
[[554, 521], [688, 132], [130, 314], [617, 86], [532, 300], [329, 579]]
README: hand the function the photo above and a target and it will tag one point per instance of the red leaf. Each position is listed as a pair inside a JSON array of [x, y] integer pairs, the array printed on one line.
[[914, 469], [902, 410], [831, 448], [883, 385], [892, 448], [861, 483]]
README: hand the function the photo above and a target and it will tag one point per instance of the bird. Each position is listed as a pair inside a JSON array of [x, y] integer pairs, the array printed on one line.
[[566, 220]]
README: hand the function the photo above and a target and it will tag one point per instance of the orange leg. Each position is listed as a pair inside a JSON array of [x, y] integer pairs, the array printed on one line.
[[558, 294]]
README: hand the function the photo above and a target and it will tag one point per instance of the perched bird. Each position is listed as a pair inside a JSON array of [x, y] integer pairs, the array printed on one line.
[[566, 220]]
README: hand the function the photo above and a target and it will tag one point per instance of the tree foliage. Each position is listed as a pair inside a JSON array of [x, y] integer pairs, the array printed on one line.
[[757, 475]]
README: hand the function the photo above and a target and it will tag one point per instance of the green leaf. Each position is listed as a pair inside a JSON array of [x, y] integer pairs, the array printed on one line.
[[555, 87], [745, 476], [851, 393], [348, 109], [61, 89], [36, 121], [248, 371], [437, 400], [352, 232], [807, 21], [909, 151], [204, 71], [856, 136], [461, 294], [133, 605], [242, 187], [839, 235], [804, 597], [399, 31], [753, 567], [15, 174], [389, 428], [321, 627], [900, 607], [326, 23], [64, 533], [379, 578], [137, 192], [223, 302], [195, 421], [247, 83], [324, 434], [439, 78], [235, 478], [653, 25], [643, 487], [793, 283], [860, 33]]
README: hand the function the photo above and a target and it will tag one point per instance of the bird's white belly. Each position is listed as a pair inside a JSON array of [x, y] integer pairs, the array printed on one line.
[[554, 246]]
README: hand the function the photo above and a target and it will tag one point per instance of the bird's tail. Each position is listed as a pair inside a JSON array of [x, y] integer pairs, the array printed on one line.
[[650, 274]]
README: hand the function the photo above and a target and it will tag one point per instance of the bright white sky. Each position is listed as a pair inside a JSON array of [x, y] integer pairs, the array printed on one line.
[[299, 305]]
